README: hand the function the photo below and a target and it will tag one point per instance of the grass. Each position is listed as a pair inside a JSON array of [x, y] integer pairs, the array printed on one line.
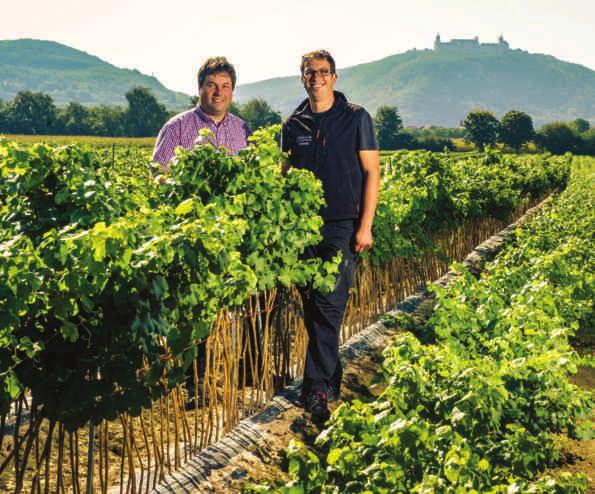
[[462, 146], [60, 140]]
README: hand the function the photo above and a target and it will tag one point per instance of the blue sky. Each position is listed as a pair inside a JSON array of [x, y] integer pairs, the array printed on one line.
[[265, 38]]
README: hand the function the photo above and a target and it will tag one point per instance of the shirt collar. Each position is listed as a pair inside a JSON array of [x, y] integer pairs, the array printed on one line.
[[205, 118]]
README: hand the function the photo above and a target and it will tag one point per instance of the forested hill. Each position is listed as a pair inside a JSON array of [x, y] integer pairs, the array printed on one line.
[[441, 86], [67, 74]]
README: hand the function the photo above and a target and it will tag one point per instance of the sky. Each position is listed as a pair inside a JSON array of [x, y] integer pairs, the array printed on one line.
[[266, 38]]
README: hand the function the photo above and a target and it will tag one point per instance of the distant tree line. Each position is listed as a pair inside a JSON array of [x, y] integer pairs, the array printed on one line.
[[515, 130], [35, 113], [143, 116], [431, 131], [392, 136]]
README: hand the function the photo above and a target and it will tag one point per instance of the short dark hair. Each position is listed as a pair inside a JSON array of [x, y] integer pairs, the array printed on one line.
[[317, 55], [214, 65]]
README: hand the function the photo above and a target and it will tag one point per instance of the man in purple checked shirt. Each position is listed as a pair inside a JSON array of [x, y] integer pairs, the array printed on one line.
[[216, 82]]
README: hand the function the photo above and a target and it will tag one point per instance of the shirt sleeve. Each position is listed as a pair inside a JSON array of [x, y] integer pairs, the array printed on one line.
[[166, 143], [284, 139], [366, 137]]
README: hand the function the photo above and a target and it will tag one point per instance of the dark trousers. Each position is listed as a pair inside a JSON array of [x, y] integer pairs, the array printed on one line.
[[323, 312]]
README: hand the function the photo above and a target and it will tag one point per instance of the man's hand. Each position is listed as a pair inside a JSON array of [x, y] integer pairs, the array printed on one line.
[[285, 166], [370, 162], [363, 239]]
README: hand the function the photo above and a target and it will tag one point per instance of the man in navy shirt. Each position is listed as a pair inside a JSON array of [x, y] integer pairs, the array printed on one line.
[[334, 139]]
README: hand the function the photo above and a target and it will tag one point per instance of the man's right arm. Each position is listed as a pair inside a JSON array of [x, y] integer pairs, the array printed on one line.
[[165, 145]]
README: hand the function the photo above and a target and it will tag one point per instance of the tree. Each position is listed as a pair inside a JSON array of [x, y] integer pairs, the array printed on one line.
[[145, 115], [107, 121], [258, 113], [516, 129], [388, 124], [481, 128], [234, 108], [436, 144], [581, 125], [588, 142], [32, 113], [404, 140], [558, 138], [3, 117], [74, 119]]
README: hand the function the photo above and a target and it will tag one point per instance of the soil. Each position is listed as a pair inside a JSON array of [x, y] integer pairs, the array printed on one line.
[[360, 381], [579, 456]]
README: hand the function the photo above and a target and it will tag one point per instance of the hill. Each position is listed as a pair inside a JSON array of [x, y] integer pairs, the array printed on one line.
[[67, 74], [441, 86]]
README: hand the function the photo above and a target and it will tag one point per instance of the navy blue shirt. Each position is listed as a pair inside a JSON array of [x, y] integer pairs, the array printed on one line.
[[328, 144]]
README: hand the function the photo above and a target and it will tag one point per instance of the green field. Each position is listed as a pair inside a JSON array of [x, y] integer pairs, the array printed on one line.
[[91, 140]]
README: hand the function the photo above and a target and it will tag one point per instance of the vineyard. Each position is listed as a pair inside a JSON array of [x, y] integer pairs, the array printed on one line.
[[111, 273], [475, 395]]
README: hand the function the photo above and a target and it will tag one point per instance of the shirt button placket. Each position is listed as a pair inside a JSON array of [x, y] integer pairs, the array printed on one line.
[[215, 129]]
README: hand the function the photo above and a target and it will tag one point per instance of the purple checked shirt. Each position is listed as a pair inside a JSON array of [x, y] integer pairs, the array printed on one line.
[[182, 130]]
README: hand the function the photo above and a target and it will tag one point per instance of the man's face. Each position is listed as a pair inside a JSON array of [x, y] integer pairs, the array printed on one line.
[[318, 80], [216, 94]]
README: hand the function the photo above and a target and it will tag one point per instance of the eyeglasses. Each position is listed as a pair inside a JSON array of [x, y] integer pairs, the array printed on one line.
[[312, 73]]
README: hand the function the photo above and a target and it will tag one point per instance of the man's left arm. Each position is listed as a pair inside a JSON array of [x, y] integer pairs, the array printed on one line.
[[370, 162]]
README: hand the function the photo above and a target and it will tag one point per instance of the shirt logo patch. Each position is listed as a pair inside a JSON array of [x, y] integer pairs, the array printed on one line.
[[304, 140]]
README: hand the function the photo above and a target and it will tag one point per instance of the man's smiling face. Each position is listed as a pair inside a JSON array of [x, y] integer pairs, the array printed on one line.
[[318, 80], [216, 94]]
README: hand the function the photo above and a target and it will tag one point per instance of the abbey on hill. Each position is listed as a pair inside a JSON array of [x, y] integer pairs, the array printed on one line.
[[471, 44], [440, 86]]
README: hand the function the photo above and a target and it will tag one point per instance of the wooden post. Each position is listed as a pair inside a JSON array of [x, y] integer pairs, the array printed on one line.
[[90, 454]]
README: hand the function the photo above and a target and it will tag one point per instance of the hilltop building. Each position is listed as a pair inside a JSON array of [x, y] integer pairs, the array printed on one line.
[[470, 44]]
